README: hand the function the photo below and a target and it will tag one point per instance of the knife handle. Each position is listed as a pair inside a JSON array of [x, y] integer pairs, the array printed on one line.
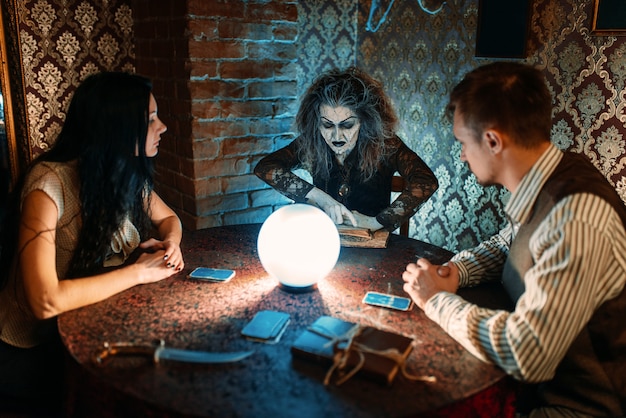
[[129, 349]]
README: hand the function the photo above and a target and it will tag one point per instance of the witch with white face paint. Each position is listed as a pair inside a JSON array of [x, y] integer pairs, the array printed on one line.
[[347, 142]]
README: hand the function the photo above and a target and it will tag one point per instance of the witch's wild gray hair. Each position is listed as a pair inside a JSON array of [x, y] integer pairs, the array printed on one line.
[[354, 89]]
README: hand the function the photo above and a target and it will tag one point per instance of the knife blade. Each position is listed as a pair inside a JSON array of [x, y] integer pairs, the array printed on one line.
[[159, 352]]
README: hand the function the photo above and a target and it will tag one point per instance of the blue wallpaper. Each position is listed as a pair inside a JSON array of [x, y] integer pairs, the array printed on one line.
[[420, 56]]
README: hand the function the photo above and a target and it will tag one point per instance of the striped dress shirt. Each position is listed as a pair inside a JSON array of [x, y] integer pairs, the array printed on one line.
[[579, 253]]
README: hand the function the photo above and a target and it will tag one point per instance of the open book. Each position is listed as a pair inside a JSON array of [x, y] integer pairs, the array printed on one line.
[[352, 236]]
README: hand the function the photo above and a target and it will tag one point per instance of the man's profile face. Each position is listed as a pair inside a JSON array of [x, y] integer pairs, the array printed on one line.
[[474, 151]]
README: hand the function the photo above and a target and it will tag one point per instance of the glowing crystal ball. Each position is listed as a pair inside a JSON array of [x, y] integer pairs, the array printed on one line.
[[298, 245]]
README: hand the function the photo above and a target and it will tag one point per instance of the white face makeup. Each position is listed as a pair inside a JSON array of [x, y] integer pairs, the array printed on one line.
[[340, 128], [155, 128]]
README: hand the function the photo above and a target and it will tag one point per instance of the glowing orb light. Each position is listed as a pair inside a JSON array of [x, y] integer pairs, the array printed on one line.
[[298, 245]]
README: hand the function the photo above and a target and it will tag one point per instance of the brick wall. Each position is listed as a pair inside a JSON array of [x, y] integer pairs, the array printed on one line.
[[225, 79]]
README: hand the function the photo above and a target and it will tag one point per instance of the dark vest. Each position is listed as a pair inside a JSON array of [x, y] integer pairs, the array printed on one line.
[[592, 376]]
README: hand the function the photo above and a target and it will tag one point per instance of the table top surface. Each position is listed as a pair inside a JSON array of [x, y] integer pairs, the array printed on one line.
[[208, 316]]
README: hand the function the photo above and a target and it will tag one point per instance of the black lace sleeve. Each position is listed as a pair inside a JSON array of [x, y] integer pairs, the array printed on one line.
[[419, 184], [275, 169]]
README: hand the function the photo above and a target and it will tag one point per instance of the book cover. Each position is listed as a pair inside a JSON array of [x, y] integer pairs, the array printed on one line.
[[351, 236], [316, 343]]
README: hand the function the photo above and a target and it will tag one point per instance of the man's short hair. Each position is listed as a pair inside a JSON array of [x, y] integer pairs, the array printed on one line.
[[508, 96]]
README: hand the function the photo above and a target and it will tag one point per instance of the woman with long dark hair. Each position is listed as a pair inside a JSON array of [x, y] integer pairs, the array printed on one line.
[[347, 142], [77, 215]]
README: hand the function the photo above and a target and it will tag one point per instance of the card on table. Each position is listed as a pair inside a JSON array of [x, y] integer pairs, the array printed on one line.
[[212, 274], [266, 326], [388, 301]]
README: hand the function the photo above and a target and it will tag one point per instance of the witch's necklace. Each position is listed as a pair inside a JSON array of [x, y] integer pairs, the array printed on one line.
[[344, 187]]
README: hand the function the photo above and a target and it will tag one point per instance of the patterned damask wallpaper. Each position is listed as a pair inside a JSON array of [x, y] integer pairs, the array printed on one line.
[[327, 37], [421, 56], [63, 41]]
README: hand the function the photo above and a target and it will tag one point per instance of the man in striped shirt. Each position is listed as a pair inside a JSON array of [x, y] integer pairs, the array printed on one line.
[[561, 258]]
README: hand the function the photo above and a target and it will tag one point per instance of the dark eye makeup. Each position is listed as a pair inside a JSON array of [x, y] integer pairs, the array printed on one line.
[[346, 124]]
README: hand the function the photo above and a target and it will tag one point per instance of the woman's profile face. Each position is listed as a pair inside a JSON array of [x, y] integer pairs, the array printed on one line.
[[155, 128], [340, 128]]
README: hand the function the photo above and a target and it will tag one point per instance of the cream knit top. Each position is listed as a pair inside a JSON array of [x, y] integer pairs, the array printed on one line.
[[18, 326]]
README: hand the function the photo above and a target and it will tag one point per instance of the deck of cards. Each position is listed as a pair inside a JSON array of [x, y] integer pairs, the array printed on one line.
[[266, 327]]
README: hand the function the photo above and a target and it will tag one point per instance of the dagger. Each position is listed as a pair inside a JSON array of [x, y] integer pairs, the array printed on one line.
[[160, 352]]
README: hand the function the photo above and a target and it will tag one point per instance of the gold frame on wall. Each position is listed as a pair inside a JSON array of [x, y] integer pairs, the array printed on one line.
[[12, 85], [609, 17]]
